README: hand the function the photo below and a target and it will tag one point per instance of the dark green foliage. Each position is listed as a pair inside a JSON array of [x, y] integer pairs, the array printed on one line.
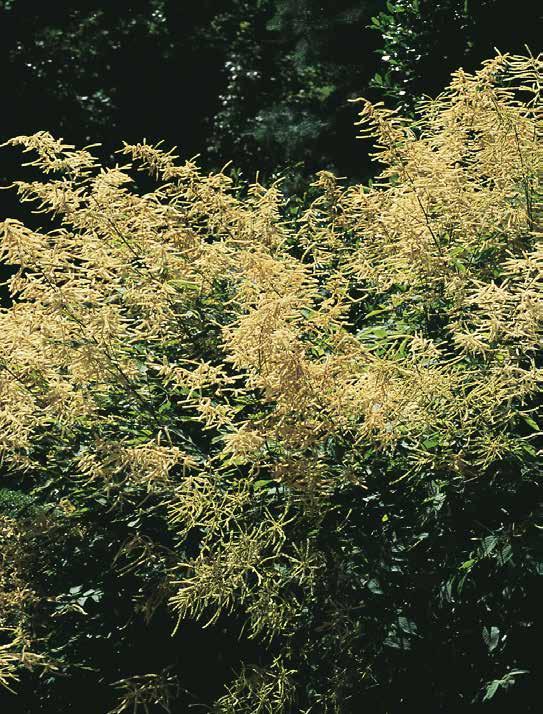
[[292, 67], [424, 41], [16, 504], [89, 625], [97, 70], [437, 586]]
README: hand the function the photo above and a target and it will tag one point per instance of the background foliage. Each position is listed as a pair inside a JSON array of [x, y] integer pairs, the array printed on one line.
[[424, 41], [264, 84]]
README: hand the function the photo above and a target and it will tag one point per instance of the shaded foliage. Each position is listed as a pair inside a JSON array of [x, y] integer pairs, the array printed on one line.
[[424, 41], [292, 68]]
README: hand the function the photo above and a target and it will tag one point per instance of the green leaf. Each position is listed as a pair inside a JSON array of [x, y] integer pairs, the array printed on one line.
[[491, 637], [409, 627], [375, 587], [263, 483], [529, 449], [530, 422], [431, 442], [491, 690], [489, 543]]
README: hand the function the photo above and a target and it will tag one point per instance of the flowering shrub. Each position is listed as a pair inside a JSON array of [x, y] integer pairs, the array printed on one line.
[[322, 431]]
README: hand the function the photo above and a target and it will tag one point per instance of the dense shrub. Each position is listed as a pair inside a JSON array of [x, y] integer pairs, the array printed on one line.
[[318, 435]]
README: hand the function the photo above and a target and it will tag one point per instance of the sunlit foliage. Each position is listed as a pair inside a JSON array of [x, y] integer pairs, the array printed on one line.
[[189, 352]]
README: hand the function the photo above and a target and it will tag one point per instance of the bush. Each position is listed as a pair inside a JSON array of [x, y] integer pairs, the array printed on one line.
[[318, 434]]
